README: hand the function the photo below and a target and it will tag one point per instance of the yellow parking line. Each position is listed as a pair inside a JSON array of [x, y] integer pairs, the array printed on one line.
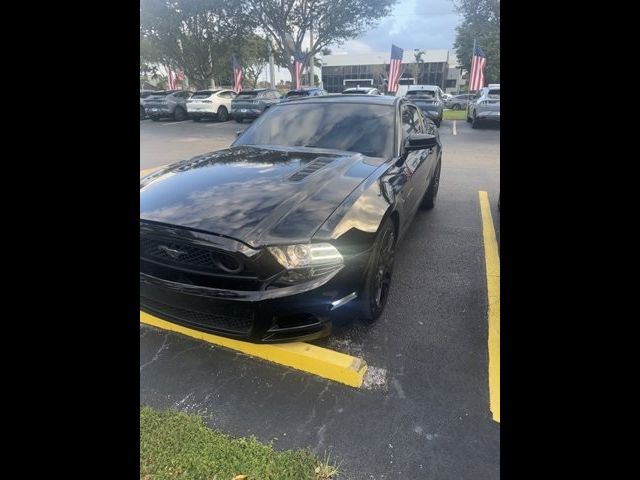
[[323, 362], [492, 262]]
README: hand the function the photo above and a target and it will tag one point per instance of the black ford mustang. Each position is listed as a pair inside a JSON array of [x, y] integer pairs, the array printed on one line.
[[296, 222]]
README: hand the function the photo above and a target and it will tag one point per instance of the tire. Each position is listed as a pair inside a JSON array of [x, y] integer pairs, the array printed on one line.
[[456, 107], [429, 199], [378, 280], [475, 123], [179, 114], [438, 123], [142, 113], [155, 119], [239, 119], [223, 115]]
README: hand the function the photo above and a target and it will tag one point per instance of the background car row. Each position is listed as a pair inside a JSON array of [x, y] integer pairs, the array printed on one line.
[[223, 104]]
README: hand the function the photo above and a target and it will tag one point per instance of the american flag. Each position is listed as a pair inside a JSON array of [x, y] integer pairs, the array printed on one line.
[[395, 68], [298, 64], [478, 62], [171, 79], [237, 75]]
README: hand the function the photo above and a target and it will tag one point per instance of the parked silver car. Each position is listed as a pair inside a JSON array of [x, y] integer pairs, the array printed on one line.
[[485, 107], [168, 103], [144, 94], [458, 102]]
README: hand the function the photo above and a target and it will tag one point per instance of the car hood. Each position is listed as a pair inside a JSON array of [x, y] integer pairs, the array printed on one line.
[[257, 195]]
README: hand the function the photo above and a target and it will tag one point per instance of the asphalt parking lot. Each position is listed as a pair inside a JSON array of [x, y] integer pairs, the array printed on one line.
[[428, 414]]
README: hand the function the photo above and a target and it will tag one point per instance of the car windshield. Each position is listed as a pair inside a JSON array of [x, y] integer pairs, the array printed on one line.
[[204, 93], [246, 95], [362, 128], [494, 93], [359, 92], [421, 94], [297, 94]]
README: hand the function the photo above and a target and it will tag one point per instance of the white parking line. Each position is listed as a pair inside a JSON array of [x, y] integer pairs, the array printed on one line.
[[172, 123], [455, 132]]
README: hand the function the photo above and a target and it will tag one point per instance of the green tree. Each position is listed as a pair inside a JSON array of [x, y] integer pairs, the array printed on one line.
[[253, 56], [196, 36], [332, 21], [480, 22]]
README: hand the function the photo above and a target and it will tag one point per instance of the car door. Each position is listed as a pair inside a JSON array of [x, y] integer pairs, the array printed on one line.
[[416, 164]]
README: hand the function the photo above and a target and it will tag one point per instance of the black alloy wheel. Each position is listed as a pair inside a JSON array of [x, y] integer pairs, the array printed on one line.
[[179, 114], [378, 281], [223, 115]]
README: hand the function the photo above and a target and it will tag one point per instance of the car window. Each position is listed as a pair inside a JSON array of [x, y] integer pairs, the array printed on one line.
[[494, 93], [363, 128], [411, 122], [421, 94], [226, 95], [247, 95]]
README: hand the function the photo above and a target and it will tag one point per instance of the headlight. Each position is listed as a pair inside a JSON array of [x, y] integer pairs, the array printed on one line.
[[307, 255]]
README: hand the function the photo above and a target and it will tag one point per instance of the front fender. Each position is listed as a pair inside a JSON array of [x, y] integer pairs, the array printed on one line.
[[352, 227]]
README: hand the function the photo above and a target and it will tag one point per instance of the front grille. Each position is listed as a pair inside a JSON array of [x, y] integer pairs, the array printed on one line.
[[189, 256], [231, 317]]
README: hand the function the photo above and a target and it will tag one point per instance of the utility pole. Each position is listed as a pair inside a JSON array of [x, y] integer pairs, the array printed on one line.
[[312, 59], [272, 71]]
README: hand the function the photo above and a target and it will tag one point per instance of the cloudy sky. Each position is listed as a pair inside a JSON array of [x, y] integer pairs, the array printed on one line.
[[424, 24]]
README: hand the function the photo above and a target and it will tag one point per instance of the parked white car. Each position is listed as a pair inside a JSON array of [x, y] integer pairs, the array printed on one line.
[[210, 104]]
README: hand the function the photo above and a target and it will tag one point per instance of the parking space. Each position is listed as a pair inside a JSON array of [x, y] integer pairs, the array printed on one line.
[[424, 408]]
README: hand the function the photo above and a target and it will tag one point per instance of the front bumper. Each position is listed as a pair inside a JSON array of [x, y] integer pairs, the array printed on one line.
[[296, 313]]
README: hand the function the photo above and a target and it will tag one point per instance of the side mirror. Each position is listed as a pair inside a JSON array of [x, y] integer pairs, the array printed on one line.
[[420, 141], [239, 132]]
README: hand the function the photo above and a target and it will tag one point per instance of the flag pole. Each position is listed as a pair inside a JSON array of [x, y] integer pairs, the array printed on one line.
[[469, 77]]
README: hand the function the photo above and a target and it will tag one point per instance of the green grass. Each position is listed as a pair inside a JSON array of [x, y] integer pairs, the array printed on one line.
[[454, 115], [175, 445]]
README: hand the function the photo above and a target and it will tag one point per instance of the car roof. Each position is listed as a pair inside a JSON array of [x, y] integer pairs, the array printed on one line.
[[423, 87], [365, 89], [257, 90], [346, 98]]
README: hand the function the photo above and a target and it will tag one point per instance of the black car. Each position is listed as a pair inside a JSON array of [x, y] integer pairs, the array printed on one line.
[[430, 102], [252, 103], [304, 92], [298, 221]]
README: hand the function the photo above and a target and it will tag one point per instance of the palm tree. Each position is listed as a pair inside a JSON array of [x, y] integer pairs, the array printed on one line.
[[417, 53]]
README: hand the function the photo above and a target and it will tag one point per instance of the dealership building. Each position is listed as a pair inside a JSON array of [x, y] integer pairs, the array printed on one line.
[[439, 67]]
